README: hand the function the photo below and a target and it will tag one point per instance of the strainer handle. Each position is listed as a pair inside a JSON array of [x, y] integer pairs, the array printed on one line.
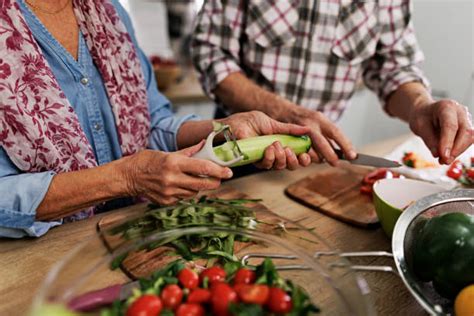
[[375, 269]]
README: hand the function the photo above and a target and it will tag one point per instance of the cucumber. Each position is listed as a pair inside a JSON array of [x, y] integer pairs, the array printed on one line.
[[253, 148]]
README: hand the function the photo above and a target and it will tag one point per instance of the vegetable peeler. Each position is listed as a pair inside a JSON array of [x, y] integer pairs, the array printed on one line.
[[207, 151]]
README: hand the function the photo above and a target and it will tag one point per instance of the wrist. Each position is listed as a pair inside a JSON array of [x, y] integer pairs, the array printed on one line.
[[121, 174]]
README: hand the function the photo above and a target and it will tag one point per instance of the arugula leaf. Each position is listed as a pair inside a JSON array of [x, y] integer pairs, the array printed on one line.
[[212, 212]]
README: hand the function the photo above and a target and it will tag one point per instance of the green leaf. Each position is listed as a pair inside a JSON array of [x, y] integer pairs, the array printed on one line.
[[241, 309]]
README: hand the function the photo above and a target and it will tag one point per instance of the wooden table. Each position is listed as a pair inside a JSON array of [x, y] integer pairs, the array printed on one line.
[[24, 263]]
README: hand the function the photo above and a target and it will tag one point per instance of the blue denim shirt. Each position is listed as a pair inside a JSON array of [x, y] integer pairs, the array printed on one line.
[[21, 193]]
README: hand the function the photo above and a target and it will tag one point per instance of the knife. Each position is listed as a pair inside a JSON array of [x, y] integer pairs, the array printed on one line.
[[95, 299], [367, 160]]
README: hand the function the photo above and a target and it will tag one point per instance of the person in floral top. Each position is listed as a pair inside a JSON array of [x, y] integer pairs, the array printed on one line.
[[83, 126]]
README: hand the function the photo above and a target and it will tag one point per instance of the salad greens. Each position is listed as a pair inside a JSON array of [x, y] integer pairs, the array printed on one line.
[[205, 211], [266, 274]]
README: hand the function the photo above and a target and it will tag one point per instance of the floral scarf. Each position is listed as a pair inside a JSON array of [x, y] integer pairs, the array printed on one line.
[[38, 127]]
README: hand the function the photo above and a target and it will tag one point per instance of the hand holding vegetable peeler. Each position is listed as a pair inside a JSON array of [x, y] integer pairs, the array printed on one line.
[[207, 151]]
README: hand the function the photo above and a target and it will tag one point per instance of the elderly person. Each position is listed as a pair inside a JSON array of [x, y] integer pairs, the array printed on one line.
[[300, 62], [79, 106]]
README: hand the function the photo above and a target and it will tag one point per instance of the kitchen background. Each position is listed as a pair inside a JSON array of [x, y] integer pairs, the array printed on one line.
[[445, 30]]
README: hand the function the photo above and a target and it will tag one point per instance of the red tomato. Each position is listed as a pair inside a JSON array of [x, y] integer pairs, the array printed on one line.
[[188, 278], [470, 173], [378, 174], [190, 310], [253, 293], [454, 173], [146, 305], [279, 301], [457, 164], [222, 295], [199, 296], [244, 276], [366, 189], [172, 295], [213, 274]]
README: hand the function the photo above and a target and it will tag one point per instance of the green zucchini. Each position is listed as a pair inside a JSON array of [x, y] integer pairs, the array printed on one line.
[[253, 148]]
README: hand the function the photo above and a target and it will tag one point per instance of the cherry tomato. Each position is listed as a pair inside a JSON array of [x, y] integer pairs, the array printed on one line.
[[199, 296], [188, 278], [190, 310], [244, 276], [253, 293], [146, 305], [172, 295], [464, 303], [470, 173], [213, 274], [454, 173], [222, 295], [279, 301]]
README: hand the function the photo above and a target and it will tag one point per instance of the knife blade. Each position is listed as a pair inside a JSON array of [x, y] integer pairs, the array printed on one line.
[[93, 300], [368, 160]]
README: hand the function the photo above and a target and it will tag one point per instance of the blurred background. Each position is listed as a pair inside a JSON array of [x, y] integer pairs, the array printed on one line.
[[445, 31]]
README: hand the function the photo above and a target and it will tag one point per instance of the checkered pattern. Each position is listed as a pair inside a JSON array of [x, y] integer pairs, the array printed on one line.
[[312, 52]]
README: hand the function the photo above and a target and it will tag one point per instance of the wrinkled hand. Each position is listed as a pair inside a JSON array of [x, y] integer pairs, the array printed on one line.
[[445, 126], [165, 178], [255, 123], [324, 135]]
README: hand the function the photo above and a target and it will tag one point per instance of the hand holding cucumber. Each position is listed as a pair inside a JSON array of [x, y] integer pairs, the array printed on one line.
[[264, 141]]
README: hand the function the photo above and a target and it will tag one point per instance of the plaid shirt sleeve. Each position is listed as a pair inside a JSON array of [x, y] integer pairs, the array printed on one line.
[[398, 55], [215, 44]]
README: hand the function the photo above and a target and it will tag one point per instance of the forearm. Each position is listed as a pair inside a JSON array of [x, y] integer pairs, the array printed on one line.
[[72, 191], [240, 94], [407, 98]]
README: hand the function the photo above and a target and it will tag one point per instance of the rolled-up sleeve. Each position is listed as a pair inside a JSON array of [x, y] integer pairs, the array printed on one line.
[[20, 196], [215, 44], [398, 56]]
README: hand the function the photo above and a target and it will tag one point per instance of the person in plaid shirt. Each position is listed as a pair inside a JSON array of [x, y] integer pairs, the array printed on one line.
[[300, 61]]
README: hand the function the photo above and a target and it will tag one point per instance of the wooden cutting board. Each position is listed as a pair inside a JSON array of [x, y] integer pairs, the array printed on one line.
[[141, 263], [335, 192]]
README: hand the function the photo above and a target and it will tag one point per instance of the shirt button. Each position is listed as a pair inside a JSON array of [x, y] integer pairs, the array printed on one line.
[[97, 126], [85, 81]]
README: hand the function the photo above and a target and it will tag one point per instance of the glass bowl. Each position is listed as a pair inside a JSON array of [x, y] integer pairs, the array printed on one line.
[[329, 280]]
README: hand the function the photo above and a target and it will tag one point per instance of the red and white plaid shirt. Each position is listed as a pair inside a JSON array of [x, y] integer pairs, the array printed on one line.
[[311, 52]]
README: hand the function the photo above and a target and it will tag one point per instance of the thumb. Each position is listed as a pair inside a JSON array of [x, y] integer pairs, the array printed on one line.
[[190, 151]]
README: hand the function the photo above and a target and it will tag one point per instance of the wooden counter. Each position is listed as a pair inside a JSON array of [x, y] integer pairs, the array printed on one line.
[[25, 263]]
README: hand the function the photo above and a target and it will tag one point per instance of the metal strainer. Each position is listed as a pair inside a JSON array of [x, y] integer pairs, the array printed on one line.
[[406, 231]]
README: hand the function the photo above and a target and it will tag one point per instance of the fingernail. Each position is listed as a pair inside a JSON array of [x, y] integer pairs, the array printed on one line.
[[229, 173], [447, 153], [352, 154]]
